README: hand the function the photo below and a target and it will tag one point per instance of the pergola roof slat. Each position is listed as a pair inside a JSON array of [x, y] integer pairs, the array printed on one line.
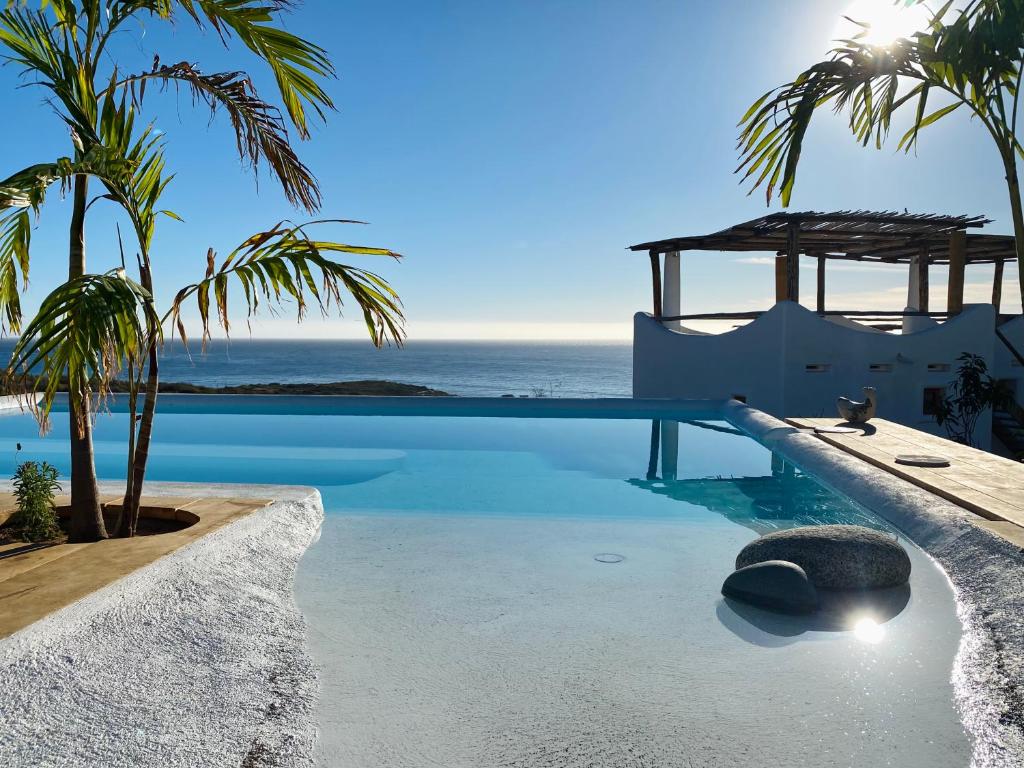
[[881, 237]]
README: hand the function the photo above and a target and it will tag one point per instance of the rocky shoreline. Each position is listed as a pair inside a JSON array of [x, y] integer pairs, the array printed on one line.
[[367, 388], [360, 388]]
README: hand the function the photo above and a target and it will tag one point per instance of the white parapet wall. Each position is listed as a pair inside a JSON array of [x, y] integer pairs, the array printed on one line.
[[16, 402], [793, 362]]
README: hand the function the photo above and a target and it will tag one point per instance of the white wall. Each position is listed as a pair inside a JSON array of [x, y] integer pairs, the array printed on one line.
[[766, 362]]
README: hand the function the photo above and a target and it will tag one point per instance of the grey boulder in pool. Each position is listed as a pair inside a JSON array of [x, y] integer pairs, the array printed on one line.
[[834, 556], [775, 584]]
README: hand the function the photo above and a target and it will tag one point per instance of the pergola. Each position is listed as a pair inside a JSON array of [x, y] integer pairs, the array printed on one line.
[[918, 240]]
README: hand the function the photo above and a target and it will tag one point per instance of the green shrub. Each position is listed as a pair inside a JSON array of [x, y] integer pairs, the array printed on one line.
[[34, 487]]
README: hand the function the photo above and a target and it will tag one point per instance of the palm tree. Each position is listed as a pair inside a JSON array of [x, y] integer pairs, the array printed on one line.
[[97, 325], [63, 48], [973, 61]]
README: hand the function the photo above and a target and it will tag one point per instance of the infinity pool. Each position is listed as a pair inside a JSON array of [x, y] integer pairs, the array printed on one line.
[[492, 591]]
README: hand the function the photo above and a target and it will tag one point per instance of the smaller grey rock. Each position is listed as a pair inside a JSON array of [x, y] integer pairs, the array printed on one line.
[[774, 584]]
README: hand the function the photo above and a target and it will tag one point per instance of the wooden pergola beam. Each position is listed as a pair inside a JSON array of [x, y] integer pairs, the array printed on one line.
[[821, 283], [793, 262], [656, 283], [957, 262], [922, 278], [780, 279], [997, 285]]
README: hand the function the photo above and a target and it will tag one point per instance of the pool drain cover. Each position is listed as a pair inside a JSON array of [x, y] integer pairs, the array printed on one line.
[[609, 557]]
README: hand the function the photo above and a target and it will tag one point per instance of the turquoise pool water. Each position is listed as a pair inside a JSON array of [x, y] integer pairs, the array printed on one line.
[[490, 465], [495, 591]]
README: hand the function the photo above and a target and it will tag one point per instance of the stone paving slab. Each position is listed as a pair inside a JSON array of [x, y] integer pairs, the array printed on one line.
[[988, 485], [36, 582]]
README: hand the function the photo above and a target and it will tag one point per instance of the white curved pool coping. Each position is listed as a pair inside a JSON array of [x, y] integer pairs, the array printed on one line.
[[200, 658]]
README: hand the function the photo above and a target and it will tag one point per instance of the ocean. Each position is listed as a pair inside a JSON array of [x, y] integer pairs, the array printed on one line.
[[466, 368]]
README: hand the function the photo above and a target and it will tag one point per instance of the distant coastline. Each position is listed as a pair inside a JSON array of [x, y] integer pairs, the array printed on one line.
[[368, 387], [376, 388]]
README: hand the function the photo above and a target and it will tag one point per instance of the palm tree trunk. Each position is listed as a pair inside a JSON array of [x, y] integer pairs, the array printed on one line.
[[121, 527], [1016, 212], [86, 514], [141, 454]]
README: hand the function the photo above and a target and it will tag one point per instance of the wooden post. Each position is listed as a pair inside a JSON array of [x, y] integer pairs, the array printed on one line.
[[922, 278], [793, 262], [670, 298], [656, 282], [997, 286], [957, 263], [821, 283], [780, 279]]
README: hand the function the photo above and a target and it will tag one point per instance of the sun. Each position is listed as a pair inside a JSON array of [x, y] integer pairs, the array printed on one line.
[[888, 20]]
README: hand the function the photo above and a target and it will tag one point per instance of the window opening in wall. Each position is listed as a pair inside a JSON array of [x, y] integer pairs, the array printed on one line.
[[933, 399]]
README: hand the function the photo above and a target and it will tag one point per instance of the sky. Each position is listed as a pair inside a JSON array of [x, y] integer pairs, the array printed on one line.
[[512, 151]]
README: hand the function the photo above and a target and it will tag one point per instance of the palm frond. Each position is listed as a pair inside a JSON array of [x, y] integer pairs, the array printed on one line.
[[27, 188], [967, 61], [140, 191], [260, 131], [295, 62], [86, 330], [283, 264], [24, 192], [15, 239], [47, 52]]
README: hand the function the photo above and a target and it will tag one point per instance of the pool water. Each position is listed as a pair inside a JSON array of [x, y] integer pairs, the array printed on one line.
[[493, 591]]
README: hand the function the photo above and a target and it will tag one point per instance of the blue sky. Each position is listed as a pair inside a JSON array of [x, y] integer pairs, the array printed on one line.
[[513, 150]]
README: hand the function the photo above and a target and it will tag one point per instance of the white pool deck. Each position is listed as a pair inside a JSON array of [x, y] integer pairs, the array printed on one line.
[[990, 486]]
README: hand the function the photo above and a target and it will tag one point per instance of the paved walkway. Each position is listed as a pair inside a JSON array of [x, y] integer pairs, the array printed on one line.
[[987, 485], [28, 592]]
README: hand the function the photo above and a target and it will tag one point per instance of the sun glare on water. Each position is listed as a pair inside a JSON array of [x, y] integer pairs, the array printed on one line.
[[889, 21], [867, 630]]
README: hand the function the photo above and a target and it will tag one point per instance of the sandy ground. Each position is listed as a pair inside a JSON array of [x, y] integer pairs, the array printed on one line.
[[196, 660], [461, 641]]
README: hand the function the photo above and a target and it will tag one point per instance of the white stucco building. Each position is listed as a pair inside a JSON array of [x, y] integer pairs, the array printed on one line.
[[793, 361]]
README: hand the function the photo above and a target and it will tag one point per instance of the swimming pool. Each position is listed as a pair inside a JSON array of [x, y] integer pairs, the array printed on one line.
[[544, 590]]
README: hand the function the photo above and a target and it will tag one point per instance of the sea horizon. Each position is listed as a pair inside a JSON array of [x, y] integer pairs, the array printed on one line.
[[469, 368]]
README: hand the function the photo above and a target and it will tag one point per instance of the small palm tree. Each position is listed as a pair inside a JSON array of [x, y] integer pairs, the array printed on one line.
[[62, 47], [972, 62]]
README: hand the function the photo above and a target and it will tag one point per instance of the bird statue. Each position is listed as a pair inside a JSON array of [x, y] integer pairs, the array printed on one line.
[[858, 413]]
